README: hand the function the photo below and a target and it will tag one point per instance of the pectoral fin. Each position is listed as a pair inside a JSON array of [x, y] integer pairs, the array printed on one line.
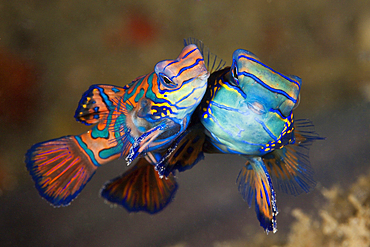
[[184, 153], [290, 165], [141, 189], [142, 142], [254, 182]]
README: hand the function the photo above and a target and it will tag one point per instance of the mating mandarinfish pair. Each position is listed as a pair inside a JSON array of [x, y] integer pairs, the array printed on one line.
[[246, 110]]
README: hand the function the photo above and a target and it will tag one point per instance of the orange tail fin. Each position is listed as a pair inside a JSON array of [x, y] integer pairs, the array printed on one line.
[[254, 183], [60, 168], [141, 189]]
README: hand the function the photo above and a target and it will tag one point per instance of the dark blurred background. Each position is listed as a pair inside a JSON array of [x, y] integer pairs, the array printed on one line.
[[51, 51]]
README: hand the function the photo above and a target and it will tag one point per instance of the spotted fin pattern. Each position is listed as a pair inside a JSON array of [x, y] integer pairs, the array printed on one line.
[[96, 103]]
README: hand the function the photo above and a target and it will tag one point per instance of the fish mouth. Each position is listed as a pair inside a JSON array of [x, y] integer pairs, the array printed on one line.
[[204, 76], [229, 108], [256, 107]]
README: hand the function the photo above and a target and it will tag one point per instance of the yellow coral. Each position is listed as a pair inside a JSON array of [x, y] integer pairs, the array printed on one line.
[[345, 220]]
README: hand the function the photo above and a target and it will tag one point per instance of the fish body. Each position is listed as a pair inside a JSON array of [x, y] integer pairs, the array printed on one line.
[[145, 115], [260, 98], [248, 110]]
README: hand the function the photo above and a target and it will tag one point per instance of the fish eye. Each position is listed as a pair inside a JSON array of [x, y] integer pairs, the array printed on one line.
[[234, 73], [167, 81]]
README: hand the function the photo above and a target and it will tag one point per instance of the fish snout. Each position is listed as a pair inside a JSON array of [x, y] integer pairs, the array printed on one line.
[[256, 107]]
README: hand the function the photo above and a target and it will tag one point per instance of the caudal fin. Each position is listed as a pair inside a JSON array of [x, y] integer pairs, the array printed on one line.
[[60, 169], [141, 189]]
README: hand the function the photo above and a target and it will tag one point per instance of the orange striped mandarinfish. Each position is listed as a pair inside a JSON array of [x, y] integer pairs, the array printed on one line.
[[145, 115]]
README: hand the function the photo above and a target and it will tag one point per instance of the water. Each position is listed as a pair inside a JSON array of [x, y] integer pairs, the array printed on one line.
[[52, 51]]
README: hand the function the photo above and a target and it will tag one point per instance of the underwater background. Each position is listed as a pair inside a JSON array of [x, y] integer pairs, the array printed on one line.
[[52, 51]]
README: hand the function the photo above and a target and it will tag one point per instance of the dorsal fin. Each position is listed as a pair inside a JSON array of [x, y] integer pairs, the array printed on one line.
[[96, 102], [212, 61]]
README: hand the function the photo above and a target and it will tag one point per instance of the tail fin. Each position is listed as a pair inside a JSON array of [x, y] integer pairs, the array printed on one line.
[[290, 166], [254, 181], [60, 169], [141, 189]]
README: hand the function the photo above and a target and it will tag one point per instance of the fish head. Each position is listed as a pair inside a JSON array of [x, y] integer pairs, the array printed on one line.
[[263, 84], [252, 108], [182, 82]]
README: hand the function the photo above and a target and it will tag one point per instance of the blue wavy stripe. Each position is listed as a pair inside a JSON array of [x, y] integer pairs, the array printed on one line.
[[278, 112], [228, 108], [188, 67], [190, 52], [268, 87], [225, 130], [266, 129], [176, 61], [190, 94], [241, 92], [105, 97], [284, 76]]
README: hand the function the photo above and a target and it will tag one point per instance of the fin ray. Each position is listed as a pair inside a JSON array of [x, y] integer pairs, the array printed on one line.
[[142, 142], [254, 183], [60, 169], [185, 152], [141, 189], [96, 102], [290, 165], [212, 62]]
